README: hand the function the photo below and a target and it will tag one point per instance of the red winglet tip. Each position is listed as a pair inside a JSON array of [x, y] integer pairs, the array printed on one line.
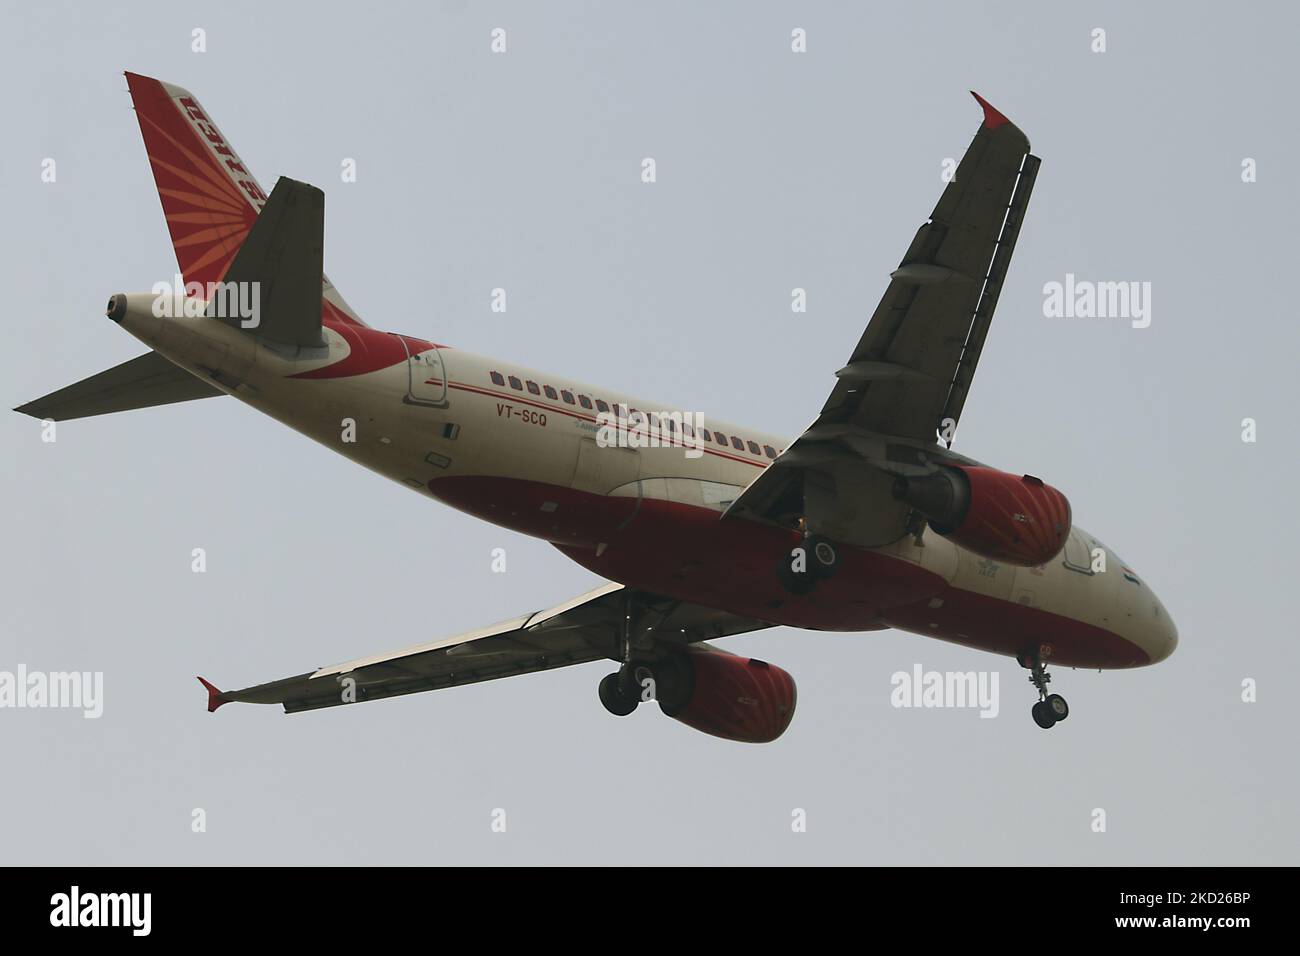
[[992, 118], [215, 699]]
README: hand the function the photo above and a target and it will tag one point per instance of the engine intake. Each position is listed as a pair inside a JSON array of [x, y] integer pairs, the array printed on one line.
[[1018, 520]]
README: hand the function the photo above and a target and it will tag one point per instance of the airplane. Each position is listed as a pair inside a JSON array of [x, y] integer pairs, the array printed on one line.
[[867, 520]]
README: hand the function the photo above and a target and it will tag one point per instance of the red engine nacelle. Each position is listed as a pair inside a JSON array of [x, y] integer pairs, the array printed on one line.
[[1019, 520], [737, 698]]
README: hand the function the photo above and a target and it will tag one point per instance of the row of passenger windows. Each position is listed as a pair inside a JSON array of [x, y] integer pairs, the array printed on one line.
[[601, 405]]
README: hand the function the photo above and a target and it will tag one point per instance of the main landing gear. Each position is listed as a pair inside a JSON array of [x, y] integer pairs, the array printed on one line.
[[618, 696], [650, 671], [813, 559], [666, 680], [1051, 709]]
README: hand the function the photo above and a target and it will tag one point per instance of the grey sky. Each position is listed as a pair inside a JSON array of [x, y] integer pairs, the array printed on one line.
[[775, 170]]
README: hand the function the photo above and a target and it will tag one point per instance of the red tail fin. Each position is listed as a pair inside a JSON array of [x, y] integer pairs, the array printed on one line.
[[208, 195], [210, 198]]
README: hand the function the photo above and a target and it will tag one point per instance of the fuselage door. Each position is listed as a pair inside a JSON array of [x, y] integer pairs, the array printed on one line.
[[426, 376]]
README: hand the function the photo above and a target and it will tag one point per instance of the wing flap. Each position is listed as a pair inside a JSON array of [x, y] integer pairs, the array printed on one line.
[[1006, 245]]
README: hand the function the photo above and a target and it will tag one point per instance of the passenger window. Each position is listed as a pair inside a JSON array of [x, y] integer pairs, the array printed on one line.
[[497, 378], [769, 451], [708, 436], [720, 438], [584, 401], [602, 405], [567, 396], [737, 444], [550, 392], [515, 383], [687, 430], [533, 389]]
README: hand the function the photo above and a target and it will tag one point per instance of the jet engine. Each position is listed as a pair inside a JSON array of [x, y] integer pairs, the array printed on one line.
[[1017, 520], [737, 698]]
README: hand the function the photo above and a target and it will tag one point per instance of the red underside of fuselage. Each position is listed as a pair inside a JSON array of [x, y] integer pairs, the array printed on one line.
[[688, 553]]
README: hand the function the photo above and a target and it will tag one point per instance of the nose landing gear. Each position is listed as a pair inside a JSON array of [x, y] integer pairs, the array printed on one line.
[[1051, 709]]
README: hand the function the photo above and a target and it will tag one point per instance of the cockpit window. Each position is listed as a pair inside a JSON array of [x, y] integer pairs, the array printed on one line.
[[1078, 553]]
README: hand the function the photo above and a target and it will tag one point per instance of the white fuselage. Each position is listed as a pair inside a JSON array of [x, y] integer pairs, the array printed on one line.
[[442, 413]]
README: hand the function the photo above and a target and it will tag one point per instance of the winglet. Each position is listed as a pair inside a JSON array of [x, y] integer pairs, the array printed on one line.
[[992, 118], [215, 697]]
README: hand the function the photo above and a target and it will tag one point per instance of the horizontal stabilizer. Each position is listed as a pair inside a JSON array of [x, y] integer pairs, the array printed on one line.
[[282, 254], [140, 383]]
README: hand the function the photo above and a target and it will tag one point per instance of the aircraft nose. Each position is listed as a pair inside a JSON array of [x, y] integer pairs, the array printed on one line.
[[1162, 634]]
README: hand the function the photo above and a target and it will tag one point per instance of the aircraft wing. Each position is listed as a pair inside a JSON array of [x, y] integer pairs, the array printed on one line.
[[587, 628], [906, 381]]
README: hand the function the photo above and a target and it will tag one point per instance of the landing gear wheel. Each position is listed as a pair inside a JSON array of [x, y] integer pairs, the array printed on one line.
[[1043, 716], [612, 695], [1051, 709], [823, 558], [633, 680], [795, 581], [1056, 706]]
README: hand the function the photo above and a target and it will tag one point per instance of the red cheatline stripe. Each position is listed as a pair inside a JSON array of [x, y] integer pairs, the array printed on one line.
[[519, 400]]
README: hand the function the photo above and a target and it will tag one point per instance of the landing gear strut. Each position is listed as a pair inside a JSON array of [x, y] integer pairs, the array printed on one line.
[[650, 670], [620, 692], [1051, 709]]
